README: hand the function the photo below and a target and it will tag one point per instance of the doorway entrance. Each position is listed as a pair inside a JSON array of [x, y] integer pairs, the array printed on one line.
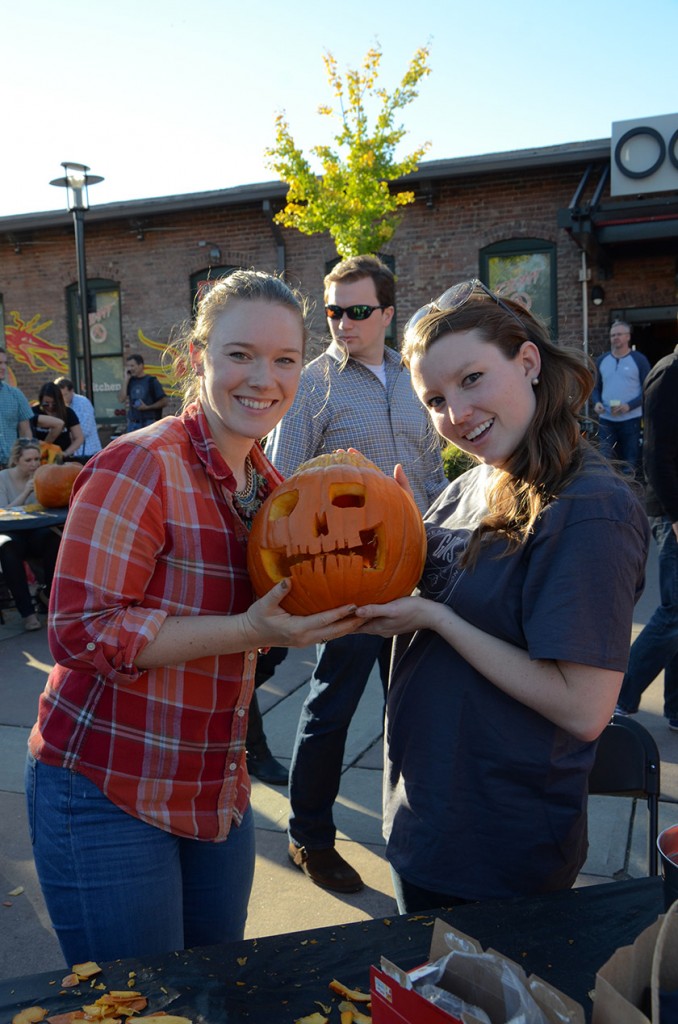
[[654, 329]]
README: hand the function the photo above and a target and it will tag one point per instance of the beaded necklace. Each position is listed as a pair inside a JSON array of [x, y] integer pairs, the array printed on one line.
[[248, 500]]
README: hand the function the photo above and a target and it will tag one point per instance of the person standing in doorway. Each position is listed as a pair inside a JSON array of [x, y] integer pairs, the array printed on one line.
[[358, 395], [143, 393], [618, 397]]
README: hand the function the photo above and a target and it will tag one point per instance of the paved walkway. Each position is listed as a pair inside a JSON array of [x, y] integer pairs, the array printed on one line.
[[283, 899]]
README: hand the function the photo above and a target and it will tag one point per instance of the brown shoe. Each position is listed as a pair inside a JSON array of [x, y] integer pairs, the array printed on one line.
[[326, 868]]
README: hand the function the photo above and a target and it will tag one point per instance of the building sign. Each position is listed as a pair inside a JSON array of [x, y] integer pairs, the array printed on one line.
[[644, 156]]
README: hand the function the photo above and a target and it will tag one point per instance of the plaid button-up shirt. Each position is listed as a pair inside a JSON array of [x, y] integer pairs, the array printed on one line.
[[151, 532], [344, 405]]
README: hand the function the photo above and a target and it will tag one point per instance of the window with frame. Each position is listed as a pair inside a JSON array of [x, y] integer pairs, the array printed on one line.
[[524, 269], [204, 279]]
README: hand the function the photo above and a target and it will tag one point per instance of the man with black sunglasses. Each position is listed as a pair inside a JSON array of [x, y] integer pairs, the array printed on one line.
[[356, 395]]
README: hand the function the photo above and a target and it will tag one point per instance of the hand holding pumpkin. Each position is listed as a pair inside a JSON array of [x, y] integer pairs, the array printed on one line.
[[269, 625], [405, 615]]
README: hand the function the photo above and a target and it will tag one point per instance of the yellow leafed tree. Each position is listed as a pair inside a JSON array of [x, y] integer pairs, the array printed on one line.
[[350, 198]]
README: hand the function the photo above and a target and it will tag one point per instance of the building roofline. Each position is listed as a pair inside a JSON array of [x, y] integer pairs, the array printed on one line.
[[488, 163]]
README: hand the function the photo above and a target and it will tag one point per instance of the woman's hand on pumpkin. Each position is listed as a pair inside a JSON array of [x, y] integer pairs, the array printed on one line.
[[269, 625], [405, 615]]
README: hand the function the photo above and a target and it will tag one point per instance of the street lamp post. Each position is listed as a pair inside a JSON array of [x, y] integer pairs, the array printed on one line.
[[75, 180]]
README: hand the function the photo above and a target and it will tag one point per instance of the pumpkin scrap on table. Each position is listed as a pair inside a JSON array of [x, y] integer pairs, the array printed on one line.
[[53, 484], [342, 531]]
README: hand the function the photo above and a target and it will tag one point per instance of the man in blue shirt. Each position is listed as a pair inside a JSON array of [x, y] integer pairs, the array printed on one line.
[[618, 397], [15, 413]]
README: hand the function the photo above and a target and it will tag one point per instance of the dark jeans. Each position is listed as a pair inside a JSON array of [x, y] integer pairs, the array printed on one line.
[[620, 439], [656, 647], [22, 546], [336, 686]]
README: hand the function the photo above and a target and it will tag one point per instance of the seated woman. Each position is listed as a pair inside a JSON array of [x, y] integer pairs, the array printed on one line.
[[16, 488], [51, 406]]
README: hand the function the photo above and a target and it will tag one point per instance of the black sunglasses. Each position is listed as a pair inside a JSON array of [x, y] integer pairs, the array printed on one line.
[[360, 312], [457, 296]]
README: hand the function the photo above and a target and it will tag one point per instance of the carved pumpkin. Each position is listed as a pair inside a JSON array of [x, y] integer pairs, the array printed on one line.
[[343, 531], [50, 453], [53, 484]]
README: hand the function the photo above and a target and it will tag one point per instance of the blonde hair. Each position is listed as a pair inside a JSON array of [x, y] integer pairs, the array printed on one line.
[[243, 286], [551, 451], [21, 445]]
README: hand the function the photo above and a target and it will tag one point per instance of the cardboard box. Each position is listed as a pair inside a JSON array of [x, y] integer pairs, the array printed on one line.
[[395, 1001]]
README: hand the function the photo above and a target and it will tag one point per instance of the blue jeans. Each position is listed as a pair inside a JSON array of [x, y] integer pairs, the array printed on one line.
[[342, 669], [117, 887], [620, 439], [656, 647]]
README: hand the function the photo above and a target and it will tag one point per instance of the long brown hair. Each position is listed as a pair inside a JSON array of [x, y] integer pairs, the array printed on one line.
[[552, 449]]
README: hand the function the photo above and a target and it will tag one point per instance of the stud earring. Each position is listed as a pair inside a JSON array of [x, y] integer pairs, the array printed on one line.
[[534, 381]]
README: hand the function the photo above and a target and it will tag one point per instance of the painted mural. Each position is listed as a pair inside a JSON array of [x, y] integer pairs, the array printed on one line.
[[25, 342]]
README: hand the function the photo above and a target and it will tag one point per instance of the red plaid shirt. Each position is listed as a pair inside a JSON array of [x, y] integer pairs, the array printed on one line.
[[151, 532]]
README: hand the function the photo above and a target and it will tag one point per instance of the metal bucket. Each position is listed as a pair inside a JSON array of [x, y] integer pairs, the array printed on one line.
[[667, 844]]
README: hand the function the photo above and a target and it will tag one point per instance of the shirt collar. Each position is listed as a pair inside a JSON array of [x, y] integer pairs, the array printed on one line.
[[197, 428], [338, 353]]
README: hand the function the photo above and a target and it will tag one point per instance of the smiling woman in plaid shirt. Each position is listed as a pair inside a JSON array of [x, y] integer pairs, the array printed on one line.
[[138, 794]]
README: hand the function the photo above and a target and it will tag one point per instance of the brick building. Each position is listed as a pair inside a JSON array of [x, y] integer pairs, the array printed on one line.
[[538, 223]]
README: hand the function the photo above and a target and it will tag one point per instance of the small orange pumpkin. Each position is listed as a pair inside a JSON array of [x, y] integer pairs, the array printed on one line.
[[53, 483], [50, 453], [342, 531]]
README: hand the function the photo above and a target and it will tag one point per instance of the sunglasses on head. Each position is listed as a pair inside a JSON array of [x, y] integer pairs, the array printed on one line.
[[359, 312], [457, 296]]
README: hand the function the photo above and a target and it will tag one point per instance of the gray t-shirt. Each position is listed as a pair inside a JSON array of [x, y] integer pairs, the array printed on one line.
[[484, 797], [8, 490]]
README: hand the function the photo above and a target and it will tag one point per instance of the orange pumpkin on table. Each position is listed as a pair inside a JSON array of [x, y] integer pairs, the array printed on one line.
[[53, 483], [342, 531]]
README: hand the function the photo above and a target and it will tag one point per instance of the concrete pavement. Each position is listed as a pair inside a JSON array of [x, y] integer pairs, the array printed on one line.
[[283, 899]]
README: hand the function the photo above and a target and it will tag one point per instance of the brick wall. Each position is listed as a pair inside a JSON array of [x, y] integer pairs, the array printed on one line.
[[433, 248]]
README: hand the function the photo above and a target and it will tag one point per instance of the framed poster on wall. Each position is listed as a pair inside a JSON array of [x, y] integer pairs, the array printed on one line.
[[524, 269]]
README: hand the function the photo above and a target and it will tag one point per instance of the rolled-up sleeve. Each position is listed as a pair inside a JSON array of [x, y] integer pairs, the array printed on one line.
[[101, 613]]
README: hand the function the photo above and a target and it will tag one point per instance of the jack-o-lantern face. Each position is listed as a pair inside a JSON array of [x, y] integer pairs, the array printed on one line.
[[342, 531]]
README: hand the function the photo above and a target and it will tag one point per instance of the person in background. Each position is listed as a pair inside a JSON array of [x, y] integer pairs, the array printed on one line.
[[16, 488], [618, 397], [137, 788], [84, 410], [51, 404], [656, 647], [509, 659], [15, 413], [260, 761], [356, 395], [143, 393]]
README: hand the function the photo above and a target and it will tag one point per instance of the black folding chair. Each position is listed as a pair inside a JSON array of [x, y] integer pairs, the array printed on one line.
[[627, 764]]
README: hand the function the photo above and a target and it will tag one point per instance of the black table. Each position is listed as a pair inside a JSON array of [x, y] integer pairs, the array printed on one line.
[[21, 518], [564, 938]]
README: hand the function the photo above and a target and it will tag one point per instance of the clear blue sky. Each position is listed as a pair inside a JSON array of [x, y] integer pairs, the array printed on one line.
[[164, 98]]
